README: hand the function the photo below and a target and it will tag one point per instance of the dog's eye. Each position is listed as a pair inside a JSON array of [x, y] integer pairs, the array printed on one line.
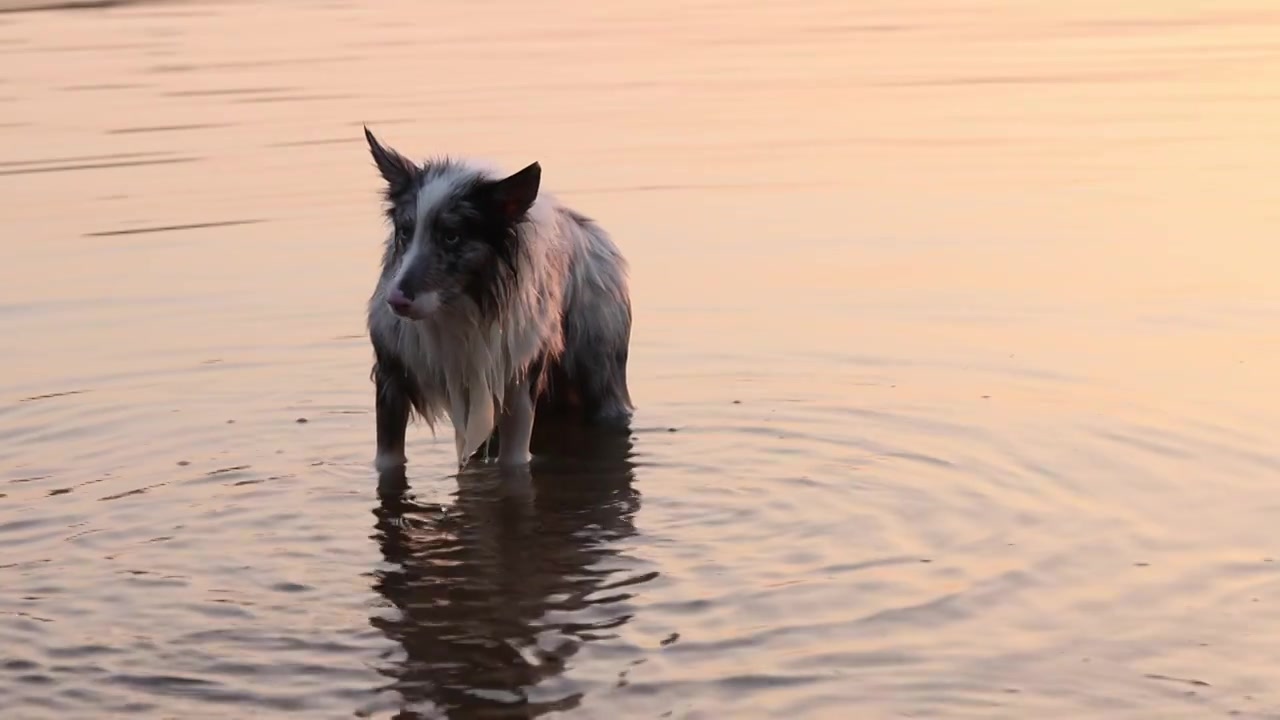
[[451, 240], [402, 236]]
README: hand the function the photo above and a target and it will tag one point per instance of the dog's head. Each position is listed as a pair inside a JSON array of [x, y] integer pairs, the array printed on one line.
[[454, 238]]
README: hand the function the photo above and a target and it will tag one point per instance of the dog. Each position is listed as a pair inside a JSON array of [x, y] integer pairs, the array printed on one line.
[[495, 304]]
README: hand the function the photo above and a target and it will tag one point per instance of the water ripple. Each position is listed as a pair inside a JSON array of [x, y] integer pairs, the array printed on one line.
[[961, 408]]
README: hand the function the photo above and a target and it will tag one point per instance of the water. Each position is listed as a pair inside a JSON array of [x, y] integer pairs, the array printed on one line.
[[955, 349]]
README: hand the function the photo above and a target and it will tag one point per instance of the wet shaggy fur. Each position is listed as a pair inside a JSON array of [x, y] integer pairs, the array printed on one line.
[[494, 303]]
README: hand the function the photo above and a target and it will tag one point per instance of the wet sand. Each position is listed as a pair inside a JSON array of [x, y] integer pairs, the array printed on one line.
[[955, 349]]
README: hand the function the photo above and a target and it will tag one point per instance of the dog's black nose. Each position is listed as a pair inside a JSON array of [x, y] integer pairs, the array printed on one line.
[[399, 302]]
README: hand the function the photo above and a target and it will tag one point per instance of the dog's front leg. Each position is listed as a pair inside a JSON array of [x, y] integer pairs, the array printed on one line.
[[515, 427], [391, 406]]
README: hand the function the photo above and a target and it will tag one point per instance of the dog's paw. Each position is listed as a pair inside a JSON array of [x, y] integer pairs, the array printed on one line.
[[385, 462], [512, 459]]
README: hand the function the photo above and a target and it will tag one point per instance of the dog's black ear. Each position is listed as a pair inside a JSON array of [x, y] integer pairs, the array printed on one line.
[[515, 194], [396, 169]]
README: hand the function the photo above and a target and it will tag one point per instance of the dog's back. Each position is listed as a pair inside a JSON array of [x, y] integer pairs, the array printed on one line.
[[590, 375]]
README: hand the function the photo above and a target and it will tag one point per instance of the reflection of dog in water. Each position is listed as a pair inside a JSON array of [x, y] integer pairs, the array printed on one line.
[[494, 301], [494, 591]]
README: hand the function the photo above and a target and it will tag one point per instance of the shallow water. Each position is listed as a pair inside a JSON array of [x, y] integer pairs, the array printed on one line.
[[955, 349]]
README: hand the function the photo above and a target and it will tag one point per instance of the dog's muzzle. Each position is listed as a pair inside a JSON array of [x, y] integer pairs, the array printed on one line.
[[400, 303]]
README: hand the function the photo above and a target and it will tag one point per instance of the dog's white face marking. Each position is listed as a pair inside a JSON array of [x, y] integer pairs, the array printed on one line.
[[422, 305], [406, 261], [431, 196]]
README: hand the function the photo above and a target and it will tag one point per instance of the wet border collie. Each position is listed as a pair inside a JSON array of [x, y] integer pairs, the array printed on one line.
[[495, 302]]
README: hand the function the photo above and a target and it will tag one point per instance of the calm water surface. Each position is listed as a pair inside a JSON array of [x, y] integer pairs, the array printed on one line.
[[957, 328]]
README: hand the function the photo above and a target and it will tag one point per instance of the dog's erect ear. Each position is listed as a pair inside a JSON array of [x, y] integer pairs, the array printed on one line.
[[515, 194], [396, 169]]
